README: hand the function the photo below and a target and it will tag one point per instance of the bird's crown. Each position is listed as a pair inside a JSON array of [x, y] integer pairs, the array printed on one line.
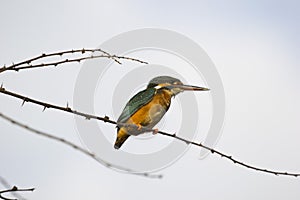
[[162, 80]]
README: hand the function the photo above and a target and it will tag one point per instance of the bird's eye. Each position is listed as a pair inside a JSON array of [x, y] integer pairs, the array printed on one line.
[[177, 83]]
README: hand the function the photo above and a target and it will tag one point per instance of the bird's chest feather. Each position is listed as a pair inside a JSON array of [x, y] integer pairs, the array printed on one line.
[[151, 113]]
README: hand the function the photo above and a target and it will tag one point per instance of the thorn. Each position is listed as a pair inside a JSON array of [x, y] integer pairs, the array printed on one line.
[[68, 108], [1, 86], [44, 108], [43, 54], [106, 118], [14, 188], [24, 100], [87, 118], [146, 174], [83, 51]]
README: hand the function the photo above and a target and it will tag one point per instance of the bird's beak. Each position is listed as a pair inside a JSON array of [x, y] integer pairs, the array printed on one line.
[[190, 87]]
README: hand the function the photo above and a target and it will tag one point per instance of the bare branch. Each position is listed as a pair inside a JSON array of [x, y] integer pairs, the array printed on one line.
[[48, 105], [78, 148], [5, 183], [13, 189], [106, 119], [28, 64]]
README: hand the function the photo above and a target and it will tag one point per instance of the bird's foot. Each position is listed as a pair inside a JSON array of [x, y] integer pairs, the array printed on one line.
[[155, 131], [139, 127]]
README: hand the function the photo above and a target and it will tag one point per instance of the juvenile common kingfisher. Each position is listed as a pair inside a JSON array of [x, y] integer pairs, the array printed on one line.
[[146, 108]]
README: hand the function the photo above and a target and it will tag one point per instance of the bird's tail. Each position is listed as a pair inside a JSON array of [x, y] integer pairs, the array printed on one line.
[[121, 137]]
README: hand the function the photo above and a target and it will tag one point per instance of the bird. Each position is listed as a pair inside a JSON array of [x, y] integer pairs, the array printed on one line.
[[147, 107]]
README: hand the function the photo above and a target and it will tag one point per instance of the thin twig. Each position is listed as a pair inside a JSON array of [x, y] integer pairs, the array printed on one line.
[[5, 183], [78, 148], [28, 64], [13, 189], [106, 119]]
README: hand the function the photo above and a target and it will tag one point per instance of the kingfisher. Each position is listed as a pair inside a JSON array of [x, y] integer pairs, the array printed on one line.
[[147, 107]]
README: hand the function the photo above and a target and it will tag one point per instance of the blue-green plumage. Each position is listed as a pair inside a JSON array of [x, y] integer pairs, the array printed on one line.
[[135, 103]]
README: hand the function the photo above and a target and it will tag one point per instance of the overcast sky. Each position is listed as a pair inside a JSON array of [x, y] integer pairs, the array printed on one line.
[[255, 48]]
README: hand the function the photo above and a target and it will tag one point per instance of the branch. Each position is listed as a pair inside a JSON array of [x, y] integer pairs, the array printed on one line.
[[48, 105], [78, 148], [5, 183], [13, 189], [106, 119], [28, 64]]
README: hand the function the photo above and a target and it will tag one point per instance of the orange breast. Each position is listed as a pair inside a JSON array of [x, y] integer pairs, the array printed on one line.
[[151, 113]]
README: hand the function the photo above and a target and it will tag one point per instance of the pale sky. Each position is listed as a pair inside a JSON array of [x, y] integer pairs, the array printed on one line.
[[255, 48]]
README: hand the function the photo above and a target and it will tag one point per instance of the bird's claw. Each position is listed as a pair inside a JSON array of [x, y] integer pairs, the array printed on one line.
[[139, 127], [155, 131]]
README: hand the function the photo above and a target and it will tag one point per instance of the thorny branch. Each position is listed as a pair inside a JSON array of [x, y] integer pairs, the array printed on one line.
[[78, 148], [28, 64], [13, 189], [5, 183], [106, 119]]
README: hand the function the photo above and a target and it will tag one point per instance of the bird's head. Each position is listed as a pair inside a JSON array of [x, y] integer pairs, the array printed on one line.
[[173, 85]]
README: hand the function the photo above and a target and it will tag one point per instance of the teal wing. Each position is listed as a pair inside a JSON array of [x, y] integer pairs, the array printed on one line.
[[136, 102]]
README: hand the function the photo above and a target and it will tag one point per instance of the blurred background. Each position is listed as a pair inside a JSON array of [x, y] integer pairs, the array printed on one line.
[[255, 47]]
